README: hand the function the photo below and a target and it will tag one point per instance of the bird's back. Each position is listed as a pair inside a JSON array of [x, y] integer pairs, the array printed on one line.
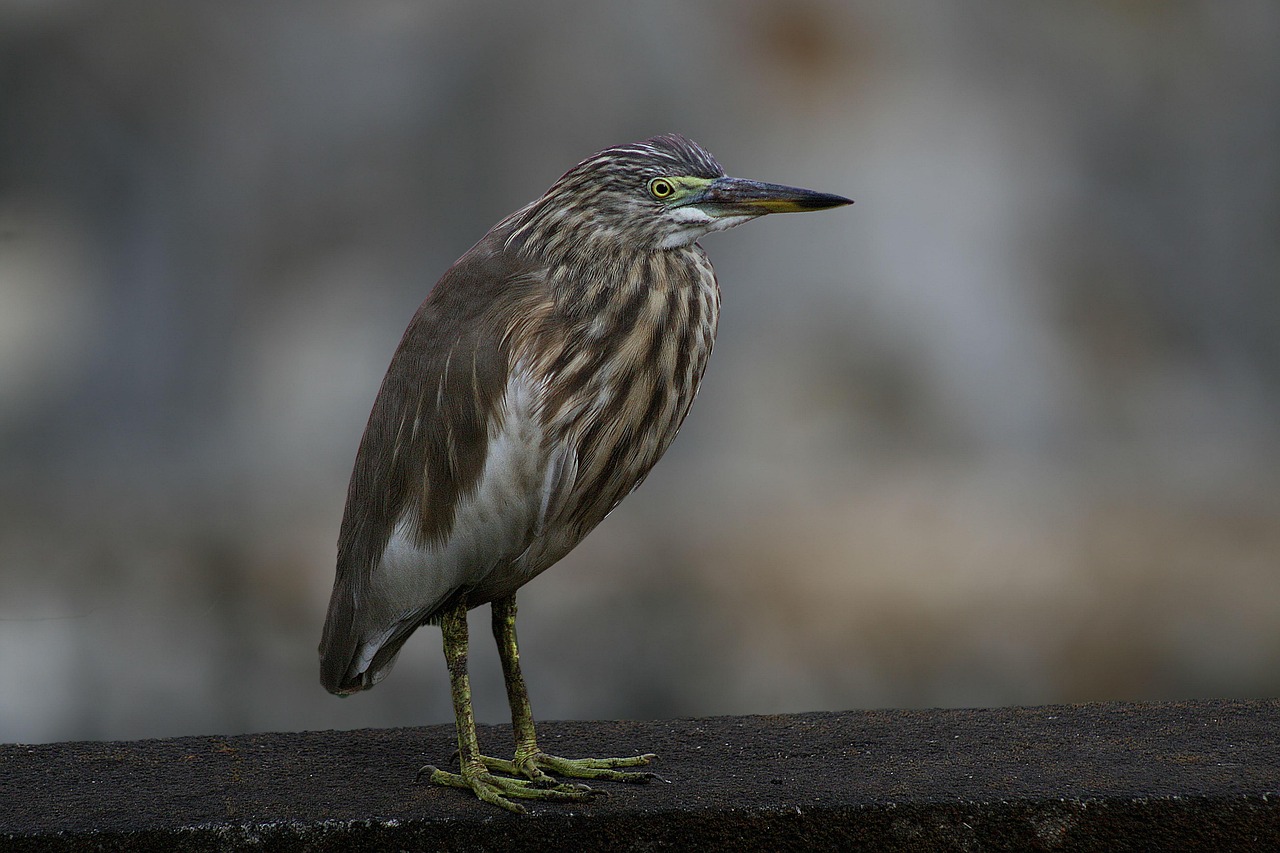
[[523, 403]]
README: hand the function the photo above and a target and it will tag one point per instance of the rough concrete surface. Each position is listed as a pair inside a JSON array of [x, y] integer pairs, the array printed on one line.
[[1201, 775]]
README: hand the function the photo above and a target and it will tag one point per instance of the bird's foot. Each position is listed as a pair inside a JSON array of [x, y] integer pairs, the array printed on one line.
[[535, 768], [502, 791]]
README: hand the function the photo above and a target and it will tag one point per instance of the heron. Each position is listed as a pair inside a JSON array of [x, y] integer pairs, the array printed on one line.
[[535, 387]]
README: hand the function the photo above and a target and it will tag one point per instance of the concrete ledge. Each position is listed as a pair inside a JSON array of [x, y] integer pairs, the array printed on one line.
[[1182, 776]]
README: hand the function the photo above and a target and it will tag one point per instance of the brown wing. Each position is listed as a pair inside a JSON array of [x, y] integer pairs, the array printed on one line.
[[425, 444]]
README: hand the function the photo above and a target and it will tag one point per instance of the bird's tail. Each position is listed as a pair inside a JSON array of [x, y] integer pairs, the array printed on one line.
[[351, 659]]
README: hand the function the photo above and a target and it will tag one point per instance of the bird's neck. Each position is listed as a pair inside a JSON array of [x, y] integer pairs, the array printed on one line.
[[590, 285]]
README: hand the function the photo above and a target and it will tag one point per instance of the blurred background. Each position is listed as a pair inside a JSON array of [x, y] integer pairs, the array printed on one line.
[[1007, 431]]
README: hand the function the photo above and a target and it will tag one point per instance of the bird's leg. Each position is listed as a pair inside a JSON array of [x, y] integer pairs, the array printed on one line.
[[530, 761], [474, 774]]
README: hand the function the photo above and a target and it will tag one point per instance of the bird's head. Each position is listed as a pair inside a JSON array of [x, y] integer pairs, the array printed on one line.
[[663, 193]]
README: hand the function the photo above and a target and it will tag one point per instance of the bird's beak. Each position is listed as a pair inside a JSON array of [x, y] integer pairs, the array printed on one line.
[[726, 197]]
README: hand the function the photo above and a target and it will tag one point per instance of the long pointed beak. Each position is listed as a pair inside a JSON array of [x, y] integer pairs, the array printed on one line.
[[741, 197]]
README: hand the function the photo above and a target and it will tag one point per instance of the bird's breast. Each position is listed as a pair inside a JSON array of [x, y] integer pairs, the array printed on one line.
[[621, 379]]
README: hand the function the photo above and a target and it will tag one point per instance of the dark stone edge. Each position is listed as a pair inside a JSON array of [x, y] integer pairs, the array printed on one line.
[[1246, 822]]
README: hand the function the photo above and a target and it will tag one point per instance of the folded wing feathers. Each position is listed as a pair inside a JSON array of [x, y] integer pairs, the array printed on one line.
[[454, 397]]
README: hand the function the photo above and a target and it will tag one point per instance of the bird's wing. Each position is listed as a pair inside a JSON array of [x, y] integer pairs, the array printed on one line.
[[430, 493]]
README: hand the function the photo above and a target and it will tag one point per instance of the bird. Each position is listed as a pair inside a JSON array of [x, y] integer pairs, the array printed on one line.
[[535, 387]]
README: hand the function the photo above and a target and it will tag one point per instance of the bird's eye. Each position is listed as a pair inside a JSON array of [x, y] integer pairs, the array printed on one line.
[[661, 188]]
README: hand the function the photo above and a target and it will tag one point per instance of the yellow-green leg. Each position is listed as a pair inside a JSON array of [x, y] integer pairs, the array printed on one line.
[[474, 774], [530, 761]]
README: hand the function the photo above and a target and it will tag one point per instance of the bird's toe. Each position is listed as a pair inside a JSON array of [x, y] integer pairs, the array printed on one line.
[[502, 791], [595, 768]]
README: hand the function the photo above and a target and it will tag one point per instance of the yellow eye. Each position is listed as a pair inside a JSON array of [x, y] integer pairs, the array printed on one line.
[[661, 188]]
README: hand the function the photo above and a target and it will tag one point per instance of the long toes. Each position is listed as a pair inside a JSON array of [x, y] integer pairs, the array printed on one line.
[[485, 792], [529, 770], [542, 780], [500, 765], [598, 768], [499, 790]]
